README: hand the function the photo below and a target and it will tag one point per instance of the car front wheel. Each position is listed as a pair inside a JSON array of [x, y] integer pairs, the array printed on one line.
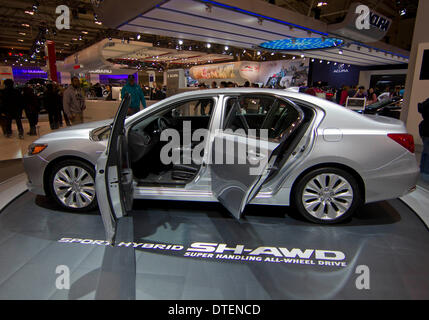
[[327, 195], [72, 185]]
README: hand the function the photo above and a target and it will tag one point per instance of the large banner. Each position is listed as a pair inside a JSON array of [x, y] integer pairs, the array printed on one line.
[[284, 73]]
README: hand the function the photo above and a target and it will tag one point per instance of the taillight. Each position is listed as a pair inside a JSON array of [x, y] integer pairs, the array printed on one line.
[[404, 139]]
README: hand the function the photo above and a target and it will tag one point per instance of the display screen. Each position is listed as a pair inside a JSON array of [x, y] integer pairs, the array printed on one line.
[[424, 71]]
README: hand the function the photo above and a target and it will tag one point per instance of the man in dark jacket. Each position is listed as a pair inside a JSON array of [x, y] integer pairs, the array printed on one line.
[[31, 107], [423, 108], [52, 104], [12, 108]]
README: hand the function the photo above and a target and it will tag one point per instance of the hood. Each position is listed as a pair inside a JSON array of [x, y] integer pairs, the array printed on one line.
[[88, 125], [78, 131]]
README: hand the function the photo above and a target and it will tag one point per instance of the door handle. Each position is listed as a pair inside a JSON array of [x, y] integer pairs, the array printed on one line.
[[254, 157]]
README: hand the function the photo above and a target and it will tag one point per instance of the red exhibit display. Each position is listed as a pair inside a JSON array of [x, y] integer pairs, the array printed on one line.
[[52, 60]]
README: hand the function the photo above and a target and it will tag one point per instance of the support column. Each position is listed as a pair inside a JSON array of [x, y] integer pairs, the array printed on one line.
[[52, 60], [416, 90]]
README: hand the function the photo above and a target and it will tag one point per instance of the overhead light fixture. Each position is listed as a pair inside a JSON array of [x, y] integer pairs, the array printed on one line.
[[36, 5], [320, 61], [31, 13], [403, 12], [22, 33], [20, 40], [322, 3], [226, 48], [340, 51], [312, 60], [244, 51], [258, 53], [329, 62], [208, 45], [25, 25], [180, 42], [302, 55], [272, 53], [85, 32], [335, 64], [293, 58]]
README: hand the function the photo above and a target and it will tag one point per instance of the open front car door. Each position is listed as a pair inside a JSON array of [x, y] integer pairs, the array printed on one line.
[[254, 140], [114, 177]]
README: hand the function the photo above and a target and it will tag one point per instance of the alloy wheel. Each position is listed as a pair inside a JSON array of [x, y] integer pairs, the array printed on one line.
[[74, 187], [327, 196]]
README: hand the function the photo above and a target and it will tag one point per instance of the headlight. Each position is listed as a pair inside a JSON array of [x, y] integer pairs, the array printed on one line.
[[36, 148]]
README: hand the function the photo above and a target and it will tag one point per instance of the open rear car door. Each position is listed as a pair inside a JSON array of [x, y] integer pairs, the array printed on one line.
[[255, 159], [114, 177]]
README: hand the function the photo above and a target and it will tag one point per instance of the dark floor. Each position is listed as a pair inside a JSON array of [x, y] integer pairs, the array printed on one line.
[[387, 237]]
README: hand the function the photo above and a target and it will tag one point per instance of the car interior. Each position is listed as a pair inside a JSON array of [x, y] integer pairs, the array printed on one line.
[[242, 112], [145, 143]]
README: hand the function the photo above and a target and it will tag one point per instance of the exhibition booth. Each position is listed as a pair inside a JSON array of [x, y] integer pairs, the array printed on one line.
[[329, 204]]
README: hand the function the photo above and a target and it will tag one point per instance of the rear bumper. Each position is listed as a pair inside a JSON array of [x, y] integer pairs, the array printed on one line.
[[394, 180]]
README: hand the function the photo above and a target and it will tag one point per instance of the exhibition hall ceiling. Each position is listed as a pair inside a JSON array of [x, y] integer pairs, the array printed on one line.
[[27, 24]]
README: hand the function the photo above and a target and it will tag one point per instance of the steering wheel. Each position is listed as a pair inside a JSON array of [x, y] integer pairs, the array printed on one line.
[[163, 123]]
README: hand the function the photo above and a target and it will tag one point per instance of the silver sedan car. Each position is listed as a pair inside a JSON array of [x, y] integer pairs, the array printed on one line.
[[235, 146]]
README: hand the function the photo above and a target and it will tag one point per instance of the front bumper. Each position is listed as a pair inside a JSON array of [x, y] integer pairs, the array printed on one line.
[[34, 167]]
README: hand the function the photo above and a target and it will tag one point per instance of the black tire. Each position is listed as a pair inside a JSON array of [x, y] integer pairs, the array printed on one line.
[[298, 201], [76, 163]]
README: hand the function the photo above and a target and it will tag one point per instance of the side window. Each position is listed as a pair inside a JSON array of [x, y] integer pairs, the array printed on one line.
[[247, 111], [282, 119], [258, 112], [194, 108]]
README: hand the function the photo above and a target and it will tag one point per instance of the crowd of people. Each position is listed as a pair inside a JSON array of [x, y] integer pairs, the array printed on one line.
[[372, 95], [64, 105]]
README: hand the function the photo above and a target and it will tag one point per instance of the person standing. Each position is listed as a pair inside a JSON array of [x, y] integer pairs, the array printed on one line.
[[360, 93], [31, 108], [136, 93], [372, 97], [423, 108], [12, 108], [74, 102], [52, 106], [60, 91]]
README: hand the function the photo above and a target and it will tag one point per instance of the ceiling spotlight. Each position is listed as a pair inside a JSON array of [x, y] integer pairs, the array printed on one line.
[[258, 53], [31, 13], [226, 48], [36, 5], [329, 62], [139, 37], [340, 51], [272, 53], [293, 58], [335, 64], [180, 42], [25, 25], [85, 32], [320, 61], [208, 45], [20, 40], [244, 51]]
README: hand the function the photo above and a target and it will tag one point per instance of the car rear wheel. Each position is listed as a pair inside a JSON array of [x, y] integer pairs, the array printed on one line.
[[72, 185], [327, 195]]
